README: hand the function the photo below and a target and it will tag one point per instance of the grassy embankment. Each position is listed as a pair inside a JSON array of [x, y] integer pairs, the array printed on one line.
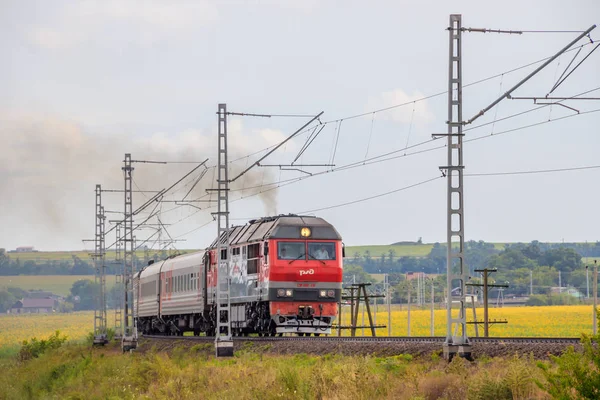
[[77, 371], [82, 372]]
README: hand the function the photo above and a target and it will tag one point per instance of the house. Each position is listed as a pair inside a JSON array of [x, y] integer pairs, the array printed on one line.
[[25, 249], [415, 275], [33, 306], [40, 294], [568, 291]]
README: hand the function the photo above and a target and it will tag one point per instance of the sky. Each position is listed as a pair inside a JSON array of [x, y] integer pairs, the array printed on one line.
[[85, 82]]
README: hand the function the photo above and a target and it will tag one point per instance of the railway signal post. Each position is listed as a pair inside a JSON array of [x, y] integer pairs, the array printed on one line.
[[223, 339]]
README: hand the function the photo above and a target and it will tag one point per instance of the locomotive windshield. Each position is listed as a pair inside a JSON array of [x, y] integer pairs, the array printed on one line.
[[297, 250], [321, 250], [291, 250]]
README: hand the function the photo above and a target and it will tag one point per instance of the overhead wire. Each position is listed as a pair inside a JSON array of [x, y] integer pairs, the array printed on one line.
[[405, 103], [381, 158], [539, 171], [431, 179], [371, 197]]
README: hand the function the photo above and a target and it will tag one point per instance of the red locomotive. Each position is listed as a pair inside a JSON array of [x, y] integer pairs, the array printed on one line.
[[286, 277]]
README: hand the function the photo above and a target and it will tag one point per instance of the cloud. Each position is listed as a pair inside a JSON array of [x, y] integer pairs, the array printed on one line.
[[171, 15], [273, 137], [53, 40], [404, 115], [146, 22]]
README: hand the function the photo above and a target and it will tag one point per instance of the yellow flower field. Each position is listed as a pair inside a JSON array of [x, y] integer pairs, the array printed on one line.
[[16, 328], [552, 321]]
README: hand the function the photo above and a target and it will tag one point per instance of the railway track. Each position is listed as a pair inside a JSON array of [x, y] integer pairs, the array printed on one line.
[[379, 339]]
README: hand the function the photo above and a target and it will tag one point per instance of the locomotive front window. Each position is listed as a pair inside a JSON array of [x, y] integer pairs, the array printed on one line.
[[321, 250], [291, 250]]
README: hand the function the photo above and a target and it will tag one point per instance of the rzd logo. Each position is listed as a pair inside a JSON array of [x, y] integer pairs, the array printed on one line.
[[307, 272]]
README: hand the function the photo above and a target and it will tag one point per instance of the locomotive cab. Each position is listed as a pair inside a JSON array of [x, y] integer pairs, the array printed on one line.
[[305, 277]]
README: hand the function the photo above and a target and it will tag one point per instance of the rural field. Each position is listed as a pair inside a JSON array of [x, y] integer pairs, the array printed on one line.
[[548, 321], [563, 321], [57, 284], [16, 328], [192, 371], [401, 250]]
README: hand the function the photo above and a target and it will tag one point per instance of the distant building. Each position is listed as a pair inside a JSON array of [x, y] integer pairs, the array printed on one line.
[[567, 290], [25, 249], [40, 294], [33, 306], [415, 275]]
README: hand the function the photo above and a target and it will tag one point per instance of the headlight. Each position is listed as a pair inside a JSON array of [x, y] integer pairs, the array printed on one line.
[[280, 292], [289, 293], [323, 293], [331, 293]]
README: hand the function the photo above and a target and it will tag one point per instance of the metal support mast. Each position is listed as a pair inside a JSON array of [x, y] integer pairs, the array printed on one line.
[[457, 341], [129, 340], [100, 333], [223, 340], [119, 283]]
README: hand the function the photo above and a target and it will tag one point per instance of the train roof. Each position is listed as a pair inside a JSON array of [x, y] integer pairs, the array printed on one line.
[[280, 227]]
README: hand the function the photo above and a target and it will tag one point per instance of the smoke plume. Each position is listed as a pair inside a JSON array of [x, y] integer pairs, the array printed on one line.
[[50, 166]]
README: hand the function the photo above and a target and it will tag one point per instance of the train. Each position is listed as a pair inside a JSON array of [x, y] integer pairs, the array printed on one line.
[[285, 277]]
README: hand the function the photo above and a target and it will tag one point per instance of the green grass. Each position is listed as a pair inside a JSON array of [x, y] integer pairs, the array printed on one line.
[[57, 284], [184, 372], [590, 260]]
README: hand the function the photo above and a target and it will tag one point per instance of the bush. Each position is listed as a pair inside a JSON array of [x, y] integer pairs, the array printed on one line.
[[574, 374], [537, 300], [34, 348]]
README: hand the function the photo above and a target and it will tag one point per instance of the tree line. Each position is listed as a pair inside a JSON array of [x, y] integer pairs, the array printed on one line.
[[528, 268], [12, 265]]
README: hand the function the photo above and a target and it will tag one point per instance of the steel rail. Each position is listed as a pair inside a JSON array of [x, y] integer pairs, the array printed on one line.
[[378, 339]]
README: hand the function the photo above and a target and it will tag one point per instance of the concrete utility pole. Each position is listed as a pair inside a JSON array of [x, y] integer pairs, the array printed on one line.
[[409, 290], [455, 265], [100, 332], [118, 282], [531, 283], [388, 297], [223, 339], [432, 307], [455, 268], [595, 286], [559, 283], [130, 335], [587, 281]]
